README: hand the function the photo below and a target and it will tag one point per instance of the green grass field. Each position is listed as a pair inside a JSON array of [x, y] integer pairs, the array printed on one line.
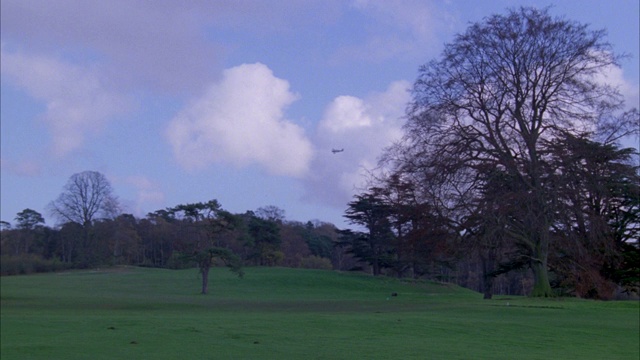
[[275, 313]]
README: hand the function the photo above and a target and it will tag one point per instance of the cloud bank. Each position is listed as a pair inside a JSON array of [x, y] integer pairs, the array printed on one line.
[[404, 29], [240, 121], [166, 45], [77, 100], [157, 43]]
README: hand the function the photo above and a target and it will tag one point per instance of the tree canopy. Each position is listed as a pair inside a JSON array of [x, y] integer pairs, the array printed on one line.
[[86, 195], [485, 115]]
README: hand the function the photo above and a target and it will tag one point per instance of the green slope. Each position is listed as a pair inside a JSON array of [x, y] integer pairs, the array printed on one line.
[[275, 313]]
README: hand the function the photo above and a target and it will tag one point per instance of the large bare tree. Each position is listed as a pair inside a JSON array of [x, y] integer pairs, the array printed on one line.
[[86, 196], [497, 93]]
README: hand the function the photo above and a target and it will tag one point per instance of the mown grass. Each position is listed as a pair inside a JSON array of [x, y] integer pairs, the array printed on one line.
[[274, 313]]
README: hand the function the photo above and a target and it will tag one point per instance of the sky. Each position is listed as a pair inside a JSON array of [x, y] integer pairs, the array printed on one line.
[[241, 101]]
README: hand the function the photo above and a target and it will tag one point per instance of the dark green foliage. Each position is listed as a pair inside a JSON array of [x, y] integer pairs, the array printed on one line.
[[369, 210], [598, 216], [201, 227], [316, 262], [28, 219], [264, 239], [231, 260], [319, 244], [627, 272]]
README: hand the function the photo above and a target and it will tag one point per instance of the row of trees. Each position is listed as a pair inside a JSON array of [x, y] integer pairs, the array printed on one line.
[[403, 235], [592, 245], [93, 233], [511, 156]]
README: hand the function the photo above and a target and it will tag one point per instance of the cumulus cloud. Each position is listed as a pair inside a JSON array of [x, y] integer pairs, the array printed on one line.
[[77, 101], [147, 192], [363, 127], [240, 120], [614, 76]]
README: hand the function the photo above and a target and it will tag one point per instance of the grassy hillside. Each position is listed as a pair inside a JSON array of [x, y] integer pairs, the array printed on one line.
[[274, 313]]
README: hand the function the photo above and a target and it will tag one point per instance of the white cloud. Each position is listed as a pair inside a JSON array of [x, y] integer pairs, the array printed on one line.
[[147, 194], [414, 17], [346, 113], [363, 127], [614, 76], [27, 168], [168, 46], [155, 43], [77, 102], [240, 121]]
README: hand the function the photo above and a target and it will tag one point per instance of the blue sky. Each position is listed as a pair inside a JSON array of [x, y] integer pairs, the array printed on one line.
[[240, 101]]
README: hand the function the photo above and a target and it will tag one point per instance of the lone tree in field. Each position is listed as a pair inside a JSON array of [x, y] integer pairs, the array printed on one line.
[[499, 93], [202, 226]]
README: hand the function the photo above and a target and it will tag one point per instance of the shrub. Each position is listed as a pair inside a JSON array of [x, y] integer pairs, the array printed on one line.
[[28, 264], [316, 262], [179, 261]]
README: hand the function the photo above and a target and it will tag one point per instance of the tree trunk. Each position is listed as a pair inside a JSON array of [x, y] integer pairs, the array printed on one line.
[[540, 240], [488, 287], [376, 266], [541, 285], [488, 264], [205, 279]]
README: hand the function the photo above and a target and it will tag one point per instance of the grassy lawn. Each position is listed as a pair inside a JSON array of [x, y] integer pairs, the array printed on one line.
[[275, 313]]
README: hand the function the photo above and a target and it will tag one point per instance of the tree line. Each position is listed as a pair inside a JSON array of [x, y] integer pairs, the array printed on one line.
[[93, 232]]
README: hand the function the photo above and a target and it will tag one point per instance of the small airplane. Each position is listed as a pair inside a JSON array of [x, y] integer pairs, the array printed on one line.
[[335, 151]]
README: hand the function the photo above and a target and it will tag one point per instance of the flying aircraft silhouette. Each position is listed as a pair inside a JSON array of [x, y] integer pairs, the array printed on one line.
[[335, 151]]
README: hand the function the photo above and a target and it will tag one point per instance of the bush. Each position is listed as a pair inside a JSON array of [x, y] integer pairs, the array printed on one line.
[[29, 264], [316, 262], [179, 261]]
